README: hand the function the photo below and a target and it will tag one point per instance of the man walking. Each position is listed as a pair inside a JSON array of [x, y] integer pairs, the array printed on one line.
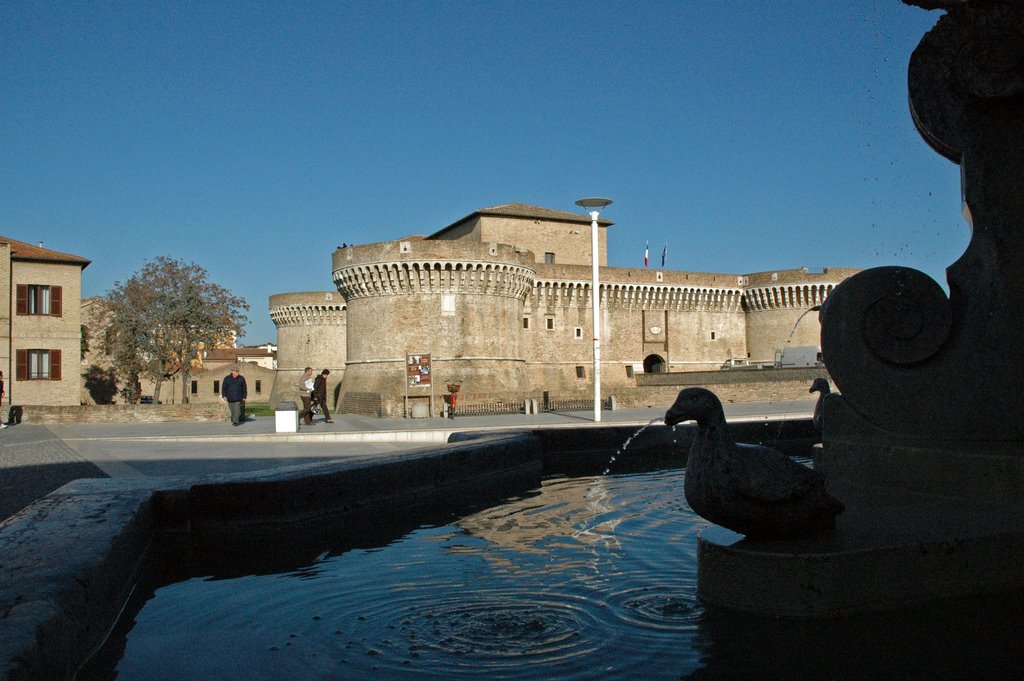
[[320, 394], [233, 389], [306, 393]]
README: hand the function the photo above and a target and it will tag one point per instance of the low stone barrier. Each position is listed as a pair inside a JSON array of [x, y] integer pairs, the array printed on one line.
[[361, 403], [735, 386], [651, 390], [124, 413]]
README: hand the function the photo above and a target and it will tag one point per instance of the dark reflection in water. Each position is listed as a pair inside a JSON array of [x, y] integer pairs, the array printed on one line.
[[582, 578], [976, 638]]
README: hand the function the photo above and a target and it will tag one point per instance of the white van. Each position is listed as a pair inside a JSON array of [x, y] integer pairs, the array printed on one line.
[[804, 356]]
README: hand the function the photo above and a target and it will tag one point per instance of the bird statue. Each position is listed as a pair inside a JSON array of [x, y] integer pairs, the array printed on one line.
[[819, 385], [751, 489]]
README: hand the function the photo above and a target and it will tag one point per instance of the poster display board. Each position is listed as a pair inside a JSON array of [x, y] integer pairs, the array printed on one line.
[[417, 368], [418, 375]]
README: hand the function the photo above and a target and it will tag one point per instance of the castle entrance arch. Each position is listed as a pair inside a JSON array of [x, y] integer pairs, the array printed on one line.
[[654, 364]]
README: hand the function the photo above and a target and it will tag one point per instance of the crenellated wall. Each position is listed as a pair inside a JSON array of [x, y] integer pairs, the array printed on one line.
[[459, 302], [495, 320], [775, 304], [689, 320], [311, 331]]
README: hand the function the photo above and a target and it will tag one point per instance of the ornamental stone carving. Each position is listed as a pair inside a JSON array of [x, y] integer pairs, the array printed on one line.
[[906, 358]]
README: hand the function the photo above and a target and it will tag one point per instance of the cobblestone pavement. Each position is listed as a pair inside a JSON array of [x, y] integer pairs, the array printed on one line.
[[33, 463]]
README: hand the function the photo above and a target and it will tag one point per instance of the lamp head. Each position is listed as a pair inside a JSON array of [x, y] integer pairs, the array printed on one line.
[[594, 203]]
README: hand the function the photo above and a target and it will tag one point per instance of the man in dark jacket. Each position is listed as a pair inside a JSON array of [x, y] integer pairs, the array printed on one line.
[[320, 393], [233, 389]]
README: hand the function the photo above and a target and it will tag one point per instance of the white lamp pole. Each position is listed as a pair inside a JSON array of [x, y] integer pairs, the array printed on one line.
[[594, 206]]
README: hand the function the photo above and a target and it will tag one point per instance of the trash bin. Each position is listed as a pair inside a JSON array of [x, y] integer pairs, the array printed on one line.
[[286, 418], [14, 414]]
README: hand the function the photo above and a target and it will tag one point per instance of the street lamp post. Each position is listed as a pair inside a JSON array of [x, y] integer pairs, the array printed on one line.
[[594, 206]]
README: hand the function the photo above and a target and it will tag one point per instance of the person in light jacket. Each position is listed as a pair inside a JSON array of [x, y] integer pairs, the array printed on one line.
[[306, 393]]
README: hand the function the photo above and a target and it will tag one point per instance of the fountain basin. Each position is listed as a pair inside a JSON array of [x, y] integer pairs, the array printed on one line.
[[70, 560]]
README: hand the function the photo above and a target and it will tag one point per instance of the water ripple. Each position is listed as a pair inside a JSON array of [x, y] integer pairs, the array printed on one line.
[[568, 580], [669, 607]]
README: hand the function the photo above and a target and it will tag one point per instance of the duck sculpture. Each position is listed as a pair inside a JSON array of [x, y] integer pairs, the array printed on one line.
[[751, 489], [821, 386]]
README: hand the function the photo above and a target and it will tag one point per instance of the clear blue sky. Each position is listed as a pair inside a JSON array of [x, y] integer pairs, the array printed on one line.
[[254, 137]]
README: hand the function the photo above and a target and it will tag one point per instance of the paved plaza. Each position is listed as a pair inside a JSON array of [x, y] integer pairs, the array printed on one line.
[[37, 459]]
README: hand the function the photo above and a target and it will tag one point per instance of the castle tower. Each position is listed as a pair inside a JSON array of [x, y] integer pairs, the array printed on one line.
[[461, 302], [775, 304], [310, 332]]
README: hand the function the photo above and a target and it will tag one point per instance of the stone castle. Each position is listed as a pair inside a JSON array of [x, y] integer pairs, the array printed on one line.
[[501, 301]]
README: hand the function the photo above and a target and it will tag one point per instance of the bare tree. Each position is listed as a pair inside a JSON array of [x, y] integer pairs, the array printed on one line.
[[163, 316]]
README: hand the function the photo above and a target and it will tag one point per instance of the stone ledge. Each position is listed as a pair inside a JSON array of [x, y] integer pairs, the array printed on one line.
[[808, 581], [124, 413], [68, 566]]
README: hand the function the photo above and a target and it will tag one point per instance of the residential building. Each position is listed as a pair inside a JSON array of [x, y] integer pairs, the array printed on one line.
[[40, 324]]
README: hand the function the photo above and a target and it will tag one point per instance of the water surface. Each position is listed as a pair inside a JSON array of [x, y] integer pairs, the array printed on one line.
[[583, 578]]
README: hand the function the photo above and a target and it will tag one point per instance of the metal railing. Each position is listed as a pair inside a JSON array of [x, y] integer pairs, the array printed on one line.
[[488, 407], [558, 404]]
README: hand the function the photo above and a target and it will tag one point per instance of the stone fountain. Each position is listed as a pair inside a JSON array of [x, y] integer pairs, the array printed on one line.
[[924, 442]]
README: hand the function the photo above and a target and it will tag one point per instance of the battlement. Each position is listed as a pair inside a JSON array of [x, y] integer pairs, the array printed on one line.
[[317, 307], [408, 267]]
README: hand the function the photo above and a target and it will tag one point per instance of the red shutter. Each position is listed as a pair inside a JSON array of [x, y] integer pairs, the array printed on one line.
[[22, 304], [21, 365], [56, 301], [54, 365]]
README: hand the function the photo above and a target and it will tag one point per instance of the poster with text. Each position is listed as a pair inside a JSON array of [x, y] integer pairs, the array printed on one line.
[[417, 369]]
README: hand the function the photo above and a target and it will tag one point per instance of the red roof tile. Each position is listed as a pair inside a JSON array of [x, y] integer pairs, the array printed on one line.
[[25, 251]]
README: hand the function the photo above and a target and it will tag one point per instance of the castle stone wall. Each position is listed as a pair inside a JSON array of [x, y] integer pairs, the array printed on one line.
[[690, 320], [496, 319], [311, 331], [570, 242], [777, 305], [459, 301], [567, 237]]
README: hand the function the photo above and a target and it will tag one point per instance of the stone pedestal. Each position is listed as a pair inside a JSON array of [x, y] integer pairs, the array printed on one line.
[[924, 520], [286, 418]]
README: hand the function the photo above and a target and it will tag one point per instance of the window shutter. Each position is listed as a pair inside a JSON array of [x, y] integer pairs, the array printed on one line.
[[22, 303], [56, 301], [54, 365], [21, 364]]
